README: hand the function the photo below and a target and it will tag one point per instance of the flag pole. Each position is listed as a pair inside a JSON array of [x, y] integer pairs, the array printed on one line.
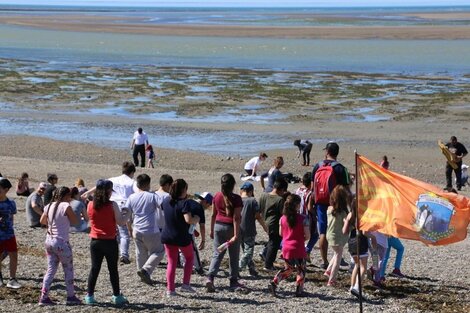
[[357, 236]]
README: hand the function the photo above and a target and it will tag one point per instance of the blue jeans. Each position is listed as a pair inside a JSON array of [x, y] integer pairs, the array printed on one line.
[[313, 233], [397, 245]]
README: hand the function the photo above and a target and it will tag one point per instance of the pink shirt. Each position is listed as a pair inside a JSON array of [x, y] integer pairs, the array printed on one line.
[[293, 239], [58, 225]]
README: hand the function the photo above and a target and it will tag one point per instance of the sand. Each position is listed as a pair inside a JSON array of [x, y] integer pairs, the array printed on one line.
[[108, 24]]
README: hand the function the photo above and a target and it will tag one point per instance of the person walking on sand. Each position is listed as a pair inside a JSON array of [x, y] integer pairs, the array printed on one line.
[[146, 224], [322, 185], [176, 236], [294, 230], [138, 144], [150, 155], [104, 216], [58, 216], [459, 151], [225, 228], [305, 147]]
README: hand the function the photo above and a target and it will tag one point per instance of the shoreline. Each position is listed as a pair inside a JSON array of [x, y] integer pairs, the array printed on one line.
[[100, 24]]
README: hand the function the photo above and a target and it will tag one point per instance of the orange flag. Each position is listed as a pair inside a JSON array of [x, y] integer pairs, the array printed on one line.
[[407, 208]]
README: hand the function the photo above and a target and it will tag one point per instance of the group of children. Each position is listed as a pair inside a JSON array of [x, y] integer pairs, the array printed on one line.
[[163, 222]]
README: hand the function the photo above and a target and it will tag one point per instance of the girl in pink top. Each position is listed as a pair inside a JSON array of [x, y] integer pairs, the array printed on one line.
[[294, 230], [58, 216]]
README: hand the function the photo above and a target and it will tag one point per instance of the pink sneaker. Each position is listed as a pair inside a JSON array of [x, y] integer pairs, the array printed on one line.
[[327, 273], [331, 283]]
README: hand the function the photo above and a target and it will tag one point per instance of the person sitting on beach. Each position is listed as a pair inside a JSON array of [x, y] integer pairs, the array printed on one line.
[[150, 156], [80, 184], [104, 216], [273, 174], [176, 236], [7, 233], [79, 209], [250, 213], [305, 147], [252, 166], [294, 230], [34, 205], [58, 216], [146, 224], [52, 179], [225, 228], [22, 186], [271, 205], [138, 144]]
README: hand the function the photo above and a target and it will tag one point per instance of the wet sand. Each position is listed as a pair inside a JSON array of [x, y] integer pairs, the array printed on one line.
[[79, 23]]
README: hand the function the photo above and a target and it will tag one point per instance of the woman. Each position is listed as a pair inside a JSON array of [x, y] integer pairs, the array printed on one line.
[[104, 215], [273, 173], [225, 228], [79, 209], [22, 187], [58, 216], [176, 237]]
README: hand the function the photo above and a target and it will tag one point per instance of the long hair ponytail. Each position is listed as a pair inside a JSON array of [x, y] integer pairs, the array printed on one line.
[[290, 209], [176, 190], [227, 183]]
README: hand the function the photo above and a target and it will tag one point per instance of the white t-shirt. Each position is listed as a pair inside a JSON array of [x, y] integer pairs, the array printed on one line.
[[123, 187], [140, 139], [252, 163]]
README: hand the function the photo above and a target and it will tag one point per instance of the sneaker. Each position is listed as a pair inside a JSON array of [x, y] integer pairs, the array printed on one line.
[[327, 273], [145, 277], [124, 260], [355, 292], [187, 288], [331, 283], [253, 272], [73, 301], [201, 271], [272, 288], [90, 300], [262, 256], [299, 291], [324, 266], [45, 300], [343, 263], [379, 284], [269, 269], [236, 286], [170, 293], [397, 273], [13, 284], [119, 300], [210, 285]]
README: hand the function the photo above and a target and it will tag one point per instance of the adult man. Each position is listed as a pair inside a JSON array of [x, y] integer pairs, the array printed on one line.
[[123, 187], [52, 179], [147, 219], [459, 151], [138, 144], [305, 147], [35, 205], [339, 176], [252, 166], [271, 204]]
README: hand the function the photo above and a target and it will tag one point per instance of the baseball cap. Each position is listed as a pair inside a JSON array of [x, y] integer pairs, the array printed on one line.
[[43, 185], [332, 148], [247, 186], [205, 196], [104, 184], [5, 183]]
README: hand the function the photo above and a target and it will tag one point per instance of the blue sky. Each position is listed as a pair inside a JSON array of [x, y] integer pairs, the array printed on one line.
[[243, 3]]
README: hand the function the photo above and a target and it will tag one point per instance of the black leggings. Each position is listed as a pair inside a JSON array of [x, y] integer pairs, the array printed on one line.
[[99, 249]]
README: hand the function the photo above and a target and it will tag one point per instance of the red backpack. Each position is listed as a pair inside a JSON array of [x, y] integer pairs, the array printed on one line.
[[324, 182]]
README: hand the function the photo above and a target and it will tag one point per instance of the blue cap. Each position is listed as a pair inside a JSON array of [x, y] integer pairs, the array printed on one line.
[[247, 186], [205, 196], [104, 184]]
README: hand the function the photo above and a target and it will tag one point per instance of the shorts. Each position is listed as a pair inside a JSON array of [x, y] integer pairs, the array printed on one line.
[[322, 218], [363, 246], [8, 245]]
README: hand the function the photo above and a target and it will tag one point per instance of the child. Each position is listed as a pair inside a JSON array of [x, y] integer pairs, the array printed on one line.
[[150, 155], [361, 259], [7, 233], [22, 187], [306, 209], [250, 213], [104, 214], [378, 267], [396, 244], [385, 163], [58, 216], [337, 213], [294, 230]]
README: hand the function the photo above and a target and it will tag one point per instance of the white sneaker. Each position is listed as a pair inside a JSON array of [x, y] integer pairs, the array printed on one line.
[[170, 294], [13, 284], [187, 288]]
